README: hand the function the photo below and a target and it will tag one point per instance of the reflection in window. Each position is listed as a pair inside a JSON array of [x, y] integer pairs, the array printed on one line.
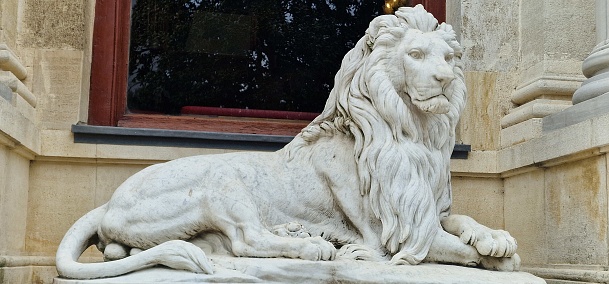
[[263, 54]]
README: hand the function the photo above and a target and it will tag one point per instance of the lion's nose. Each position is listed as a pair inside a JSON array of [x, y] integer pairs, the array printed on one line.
[[444, 75]]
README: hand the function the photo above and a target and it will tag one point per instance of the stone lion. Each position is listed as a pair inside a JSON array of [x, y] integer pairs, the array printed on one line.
[[369, 176]]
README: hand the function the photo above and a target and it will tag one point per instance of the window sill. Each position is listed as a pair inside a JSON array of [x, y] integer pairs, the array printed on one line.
[[194, 139], [220, 124], [176, 138]]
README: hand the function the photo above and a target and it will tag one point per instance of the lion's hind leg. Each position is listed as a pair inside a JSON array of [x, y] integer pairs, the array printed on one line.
[[253, 240], [233, 213], [250, 238]]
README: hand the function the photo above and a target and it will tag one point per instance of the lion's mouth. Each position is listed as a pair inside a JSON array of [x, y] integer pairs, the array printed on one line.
[[437, 104]]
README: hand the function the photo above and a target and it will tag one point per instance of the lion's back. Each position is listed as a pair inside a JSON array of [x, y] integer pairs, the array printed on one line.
[[175, 195]]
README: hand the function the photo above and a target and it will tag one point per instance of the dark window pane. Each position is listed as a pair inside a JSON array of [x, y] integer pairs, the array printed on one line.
[[263, 54]]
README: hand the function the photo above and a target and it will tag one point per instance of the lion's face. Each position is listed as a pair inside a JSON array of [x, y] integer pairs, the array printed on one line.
[[423, 70]]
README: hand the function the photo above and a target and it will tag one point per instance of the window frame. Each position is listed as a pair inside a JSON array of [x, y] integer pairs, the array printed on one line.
[[109, 62], [109, 70]]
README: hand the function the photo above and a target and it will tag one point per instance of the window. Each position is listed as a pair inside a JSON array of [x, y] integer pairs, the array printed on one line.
[[158, 95]]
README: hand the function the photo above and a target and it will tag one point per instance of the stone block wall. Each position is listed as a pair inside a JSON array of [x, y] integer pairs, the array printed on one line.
[[556, 200], [566, 213], [14, 177]]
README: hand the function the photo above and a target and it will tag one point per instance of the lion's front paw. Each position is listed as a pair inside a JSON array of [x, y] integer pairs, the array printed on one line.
[[292, 229], [496, 243]]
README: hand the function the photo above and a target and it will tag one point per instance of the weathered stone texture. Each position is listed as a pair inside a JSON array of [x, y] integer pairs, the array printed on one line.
[[576, 216], [58, 76], [14, 171], [8, 21], [563, 41], [59, 195], [28, 274], [54, 24], [480, 198], [549, 42], [521, 132], [488, 101], [488, 33], [525, 215], [532, 18]]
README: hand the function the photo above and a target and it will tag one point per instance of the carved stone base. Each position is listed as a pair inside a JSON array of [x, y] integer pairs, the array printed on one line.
[[580, 112], [256, 270]]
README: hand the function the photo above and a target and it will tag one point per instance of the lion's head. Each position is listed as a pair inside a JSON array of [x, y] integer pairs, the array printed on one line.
[[405, 63], [429, 62], [400, 92], [420, 58]]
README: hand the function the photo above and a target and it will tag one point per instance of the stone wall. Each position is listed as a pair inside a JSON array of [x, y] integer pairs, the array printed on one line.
[[522, 59], [556, 200], [534, 159]]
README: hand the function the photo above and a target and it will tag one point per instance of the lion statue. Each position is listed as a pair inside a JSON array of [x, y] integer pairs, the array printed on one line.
[[368, 179]]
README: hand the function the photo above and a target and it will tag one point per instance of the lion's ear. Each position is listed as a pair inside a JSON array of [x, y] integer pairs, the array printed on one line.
[[378, 26]]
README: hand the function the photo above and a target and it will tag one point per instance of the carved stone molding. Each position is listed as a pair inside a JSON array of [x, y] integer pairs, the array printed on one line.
[[537, 108], [12, 73], [596, 68], [548, 86], [9, 62]]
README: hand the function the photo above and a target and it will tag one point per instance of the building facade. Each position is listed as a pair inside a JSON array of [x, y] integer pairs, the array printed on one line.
[[538, 126]]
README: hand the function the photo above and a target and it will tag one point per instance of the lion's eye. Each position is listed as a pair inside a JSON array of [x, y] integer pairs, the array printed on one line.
[[416, 54], [449, 57]]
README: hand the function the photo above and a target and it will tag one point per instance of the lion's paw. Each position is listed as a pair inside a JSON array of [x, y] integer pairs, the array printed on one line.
[[495, 243], [318, 249], [501, 263], [292, 229], [359, 252]]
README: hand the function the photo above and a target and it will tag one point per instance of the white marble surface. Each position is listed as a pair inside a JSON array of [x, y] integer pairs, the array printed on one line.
[[250, 270]]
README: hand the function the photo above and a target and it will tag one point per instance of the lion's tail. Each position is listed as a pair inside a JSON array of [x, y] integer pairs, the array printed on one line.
[[175, 254]]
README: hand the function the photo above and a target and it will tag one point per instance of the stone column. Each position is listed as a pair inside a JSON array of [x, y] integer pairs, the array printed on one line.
[[596, 65]]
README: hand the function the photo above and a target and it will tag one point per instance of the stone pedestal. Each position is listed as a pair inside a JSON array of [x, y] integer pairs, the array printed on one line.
[[279, 270], [596, 65]]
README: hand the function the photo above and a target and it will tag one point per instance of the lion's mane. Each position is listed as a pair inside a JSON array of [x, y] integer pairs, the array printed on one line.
[[396, 144]]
